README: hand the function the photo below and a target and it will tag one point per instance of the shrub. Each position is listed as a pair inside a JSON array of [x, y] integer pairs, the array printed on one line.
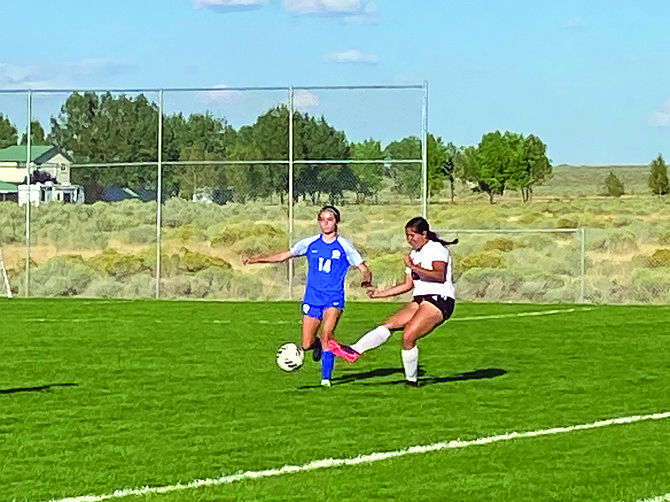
[[65, 275], [488, 284], [139, 286], [117, 265], [500, 243], [567, 223], [659, 258], [141, 234], [485, 259], [616, 242], [104, 288], [664, 239], [191, 261], [185, 287], [651, 286], [254, 237]]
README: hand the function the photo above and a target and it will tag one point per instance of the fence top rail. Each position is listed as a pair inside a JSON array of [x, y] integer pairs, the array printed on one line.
[[509, 230], [285, 88], [242, 162]]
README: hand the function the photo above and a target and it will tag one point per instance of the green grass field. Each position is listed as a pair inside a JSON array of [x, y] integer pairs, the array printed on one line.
[[143, 393]]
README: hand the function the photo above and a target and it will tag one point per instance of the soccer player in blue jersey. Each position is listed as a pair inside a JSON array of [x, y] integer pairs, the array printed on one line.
[[329, 257]]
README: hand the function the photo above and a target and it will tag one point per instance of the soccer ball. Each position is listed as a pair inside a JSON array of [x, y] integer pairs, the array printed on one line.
[[290, 357]]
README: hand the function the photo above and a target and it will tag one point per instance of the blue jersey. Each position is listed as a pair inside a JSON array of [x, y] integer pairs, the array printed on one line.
[[328, 266]]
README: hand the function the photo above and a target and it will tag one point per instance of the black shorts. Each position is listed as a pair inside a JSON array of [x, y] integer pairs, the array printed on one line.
[[444, 303]]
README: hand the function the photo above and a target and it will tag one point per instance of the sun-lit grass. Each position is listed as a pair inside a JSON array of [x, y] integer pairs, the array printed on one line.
[[155, 393]]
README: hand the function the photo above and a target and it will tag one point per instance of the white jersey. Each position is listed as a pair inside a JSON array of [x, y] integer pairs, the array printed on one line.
[[424, 257]]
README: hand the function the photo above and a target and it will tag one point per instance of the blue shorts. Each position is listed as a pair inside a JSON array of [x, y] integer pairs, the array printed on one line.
[[316, 302]]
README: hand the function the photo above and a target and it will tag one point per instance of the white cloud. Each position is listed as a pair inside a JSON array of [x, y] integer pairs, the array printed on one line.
[[304, 99], [323, 6], [349, 11], [15, 75], [230, 5], [217, 96], [661, 117], [367, 16], [352, 56], [60, 75], [574, 23], [352, 11]]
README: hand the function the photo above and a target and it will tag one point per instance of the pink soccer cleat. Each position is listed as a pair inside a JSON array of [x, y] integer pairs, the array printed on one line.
[[343, 351]]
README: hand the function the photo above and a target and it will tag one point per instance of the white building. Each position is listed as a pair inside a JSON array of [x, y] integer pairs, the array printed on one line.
[[43, 193]]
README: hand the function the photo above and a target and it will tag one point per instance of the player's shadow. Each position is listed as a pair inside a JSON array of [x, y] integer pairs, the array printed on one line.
[[365, 375], [36, 389], [458, 377], [423, 379]]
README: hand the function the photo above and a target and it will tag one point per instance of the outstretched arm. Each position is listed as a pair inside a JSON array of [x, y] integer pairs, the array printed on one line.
[[367, 275], [274, 258], [396, 290]]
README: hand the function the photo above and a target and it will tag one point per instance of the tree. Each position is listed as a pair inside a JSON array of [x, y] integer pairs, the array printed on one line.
[[191, 178], [504, 161], [247, 181], [500, 162], [658, 177], [270, 136], [437, 156], [370, 175], [313, 139], [37, 135], [8, 133], [466, 164], [199, 138], [406, 177], [535, 167], [613, 186], [449, 167], [321, 141]]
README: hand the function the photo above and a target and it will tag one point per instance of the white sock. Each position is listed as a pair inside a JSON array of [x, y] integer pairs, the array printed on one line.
[[410, 360], [372, 339]]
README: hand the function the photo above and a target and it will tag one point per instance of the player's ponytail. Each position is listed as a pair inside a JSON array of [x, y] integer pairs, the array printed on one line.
[[420, 225]]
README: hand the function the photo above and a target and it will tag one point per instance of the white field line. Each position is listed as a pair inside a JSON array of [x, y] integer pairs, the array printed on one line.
[[298, 321], [660, 498], [327, 463], [521, 314]]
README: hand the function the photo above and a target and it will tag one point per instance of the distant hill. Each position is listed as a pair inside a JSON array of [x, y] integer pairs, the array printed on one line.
[[570, 180]]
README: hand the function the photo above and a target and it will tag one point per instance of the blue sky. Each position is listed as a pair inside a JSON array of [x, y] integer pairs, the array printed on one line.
[[591, 78]]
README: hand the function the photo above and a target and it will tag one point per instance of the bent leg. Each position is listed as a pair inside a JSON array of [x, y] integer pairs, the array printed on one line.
[[426, 318], [379, 335], [400, 319]]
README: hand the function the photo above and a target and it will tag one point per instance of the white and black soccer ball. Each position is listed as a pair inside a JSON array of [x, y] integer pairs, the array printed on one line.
[[290, 357]]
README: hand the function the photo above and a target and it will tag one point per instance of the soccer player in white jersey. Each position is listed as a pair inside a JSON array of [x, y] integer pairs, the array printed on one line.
[[329, 257], [429, 274]]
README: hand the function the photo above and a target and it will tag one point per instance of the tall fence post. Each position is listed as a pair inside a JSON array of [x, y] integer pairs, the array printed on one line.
[[29, 195], [290, 187], [424, 151], [583, 265], [159, 195]]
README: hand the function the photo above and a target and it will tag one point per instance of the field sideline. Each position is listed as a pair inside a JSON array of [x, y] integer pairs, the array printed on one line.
[[99, 396]]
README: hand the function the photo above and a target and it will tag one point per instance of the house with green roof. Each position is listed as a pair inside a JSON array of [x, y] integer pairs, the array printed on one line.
[[8, 191], [45, 158]]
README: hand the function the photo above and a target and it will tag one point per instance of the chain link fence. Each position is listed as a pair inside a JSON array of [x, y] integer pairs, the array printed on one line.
[[173, 206]]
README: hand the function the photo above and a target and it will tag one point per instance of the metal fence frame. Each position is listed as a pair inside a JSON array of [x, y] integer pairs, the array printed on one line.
[[290, 161]]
